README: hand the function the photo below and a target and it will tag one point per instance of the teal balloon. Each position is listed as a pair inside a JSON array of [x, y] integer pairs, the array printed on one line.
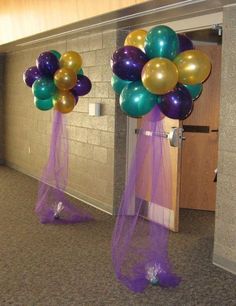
[[161, 41], [158, 100], [194, 90], [136, 101], [81, 72], [43, 88], [43, 105], [55, 52], [118, 84]]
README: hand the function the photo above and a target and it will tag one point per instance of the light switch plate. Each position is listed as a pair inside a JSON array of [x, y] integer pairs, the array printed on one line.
[[94, 109]]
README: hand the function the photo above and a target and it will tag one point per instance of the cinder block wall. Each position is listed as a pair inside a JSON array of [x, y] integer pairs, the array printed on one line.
[[2, 70], [225, 226], [91, 139]]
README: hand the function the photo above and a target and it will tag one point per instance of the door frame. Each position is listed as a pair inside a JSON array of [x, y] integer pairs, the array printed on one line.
[[183, 25]]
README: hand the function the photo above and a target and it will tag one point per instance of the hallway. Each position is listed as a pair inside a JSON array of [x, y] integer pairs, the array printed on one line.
[[70, 265]]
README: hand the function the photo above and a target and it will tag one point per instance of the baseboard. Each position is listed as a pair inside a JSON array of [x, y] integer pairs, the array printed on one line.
[[90, 201], [70, 191], [224, 263]]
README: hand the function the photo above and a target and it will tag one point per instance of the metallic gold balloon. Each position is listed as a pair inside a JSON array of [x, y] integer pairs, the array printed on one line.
[[72, 60], [194, 66], [64, 102], [159, 75], [136, 38], [65, 78]]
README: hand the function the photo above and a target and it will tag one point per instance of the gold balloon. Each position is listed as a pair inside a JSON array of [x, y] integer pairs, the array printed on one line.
[[72, 60], [136, 38], [64, 102], [194, 66], [65, 78], [159, 75]]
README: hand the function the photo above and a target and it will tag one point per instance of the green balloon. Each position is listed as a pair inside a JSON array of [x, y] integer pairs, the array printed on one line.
[[55, 52], [194, 90], [161, 41], [43, 88], [136, 101], [81, 72], [43, 105], [118, 84], [158, 101]]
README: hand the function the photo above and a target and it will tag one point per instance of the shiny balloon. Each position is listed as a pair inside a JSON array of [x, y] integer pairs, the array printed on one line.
[[81, 72], [56, 53], [31, 75], [177, 104], [195, 90], [72, 60], [47, 64], [43, 105], [194, 67], [64, 102], [185, 43], [82, 86], [127, 63], [43, 88], [76, 98], [65, 78], [136, 38], [159, 76], [118, 84], [161, 41], [135, 100]]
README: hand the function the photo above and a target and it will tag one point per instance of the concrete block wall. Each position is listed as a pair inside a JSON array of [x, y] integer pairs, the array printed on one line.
[[2, 71], [91, 139], [225, 226]]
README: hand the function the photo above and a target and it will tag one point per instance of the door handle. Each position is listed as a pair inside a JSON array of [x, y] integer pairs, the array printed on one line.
[[215, 131], [196, 128], [175, 136]]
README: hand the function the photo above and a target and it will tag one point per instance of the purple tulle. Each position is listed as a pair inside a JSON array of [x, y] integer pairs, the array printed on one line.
[[52, 204], [140, 237]]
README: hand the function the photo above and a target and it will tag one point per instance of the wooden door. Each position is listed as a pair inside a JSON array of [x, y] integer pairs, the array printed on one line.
[[199, 150], [171, 216]]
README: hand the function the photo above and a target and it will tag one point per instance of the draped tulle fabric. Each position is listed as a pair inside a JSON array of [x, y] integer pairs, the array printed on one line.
[[140, 237], [52, 204]]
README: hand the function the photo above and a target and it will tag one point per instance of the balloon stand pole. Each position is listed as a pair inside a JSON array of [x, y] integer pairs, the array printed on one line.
[[53, 206], [140, 237]]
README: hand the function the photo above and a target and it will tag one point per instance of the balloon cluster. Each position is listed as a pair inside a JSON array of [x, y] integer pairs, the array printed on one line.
[[158, 67], [57, 80]]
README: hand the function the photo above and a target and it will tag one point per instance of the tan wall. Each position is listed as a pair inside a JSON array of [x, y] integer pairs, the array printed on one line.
[[2, 64], [225, 227], [91, 139], [44, 15]]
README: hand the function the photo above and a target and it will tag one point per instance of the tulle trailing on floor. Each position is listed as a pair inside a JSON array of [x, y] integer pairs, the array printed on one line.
[[140, 237], [52, 204]]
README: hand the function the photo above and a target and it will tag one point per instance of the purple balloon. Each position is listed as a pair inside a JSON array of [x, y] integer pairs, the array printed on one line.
[[82, 86], [31, 75], [177, 104], [76, 98], [47, 64], [127, 63], [185, 43]]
